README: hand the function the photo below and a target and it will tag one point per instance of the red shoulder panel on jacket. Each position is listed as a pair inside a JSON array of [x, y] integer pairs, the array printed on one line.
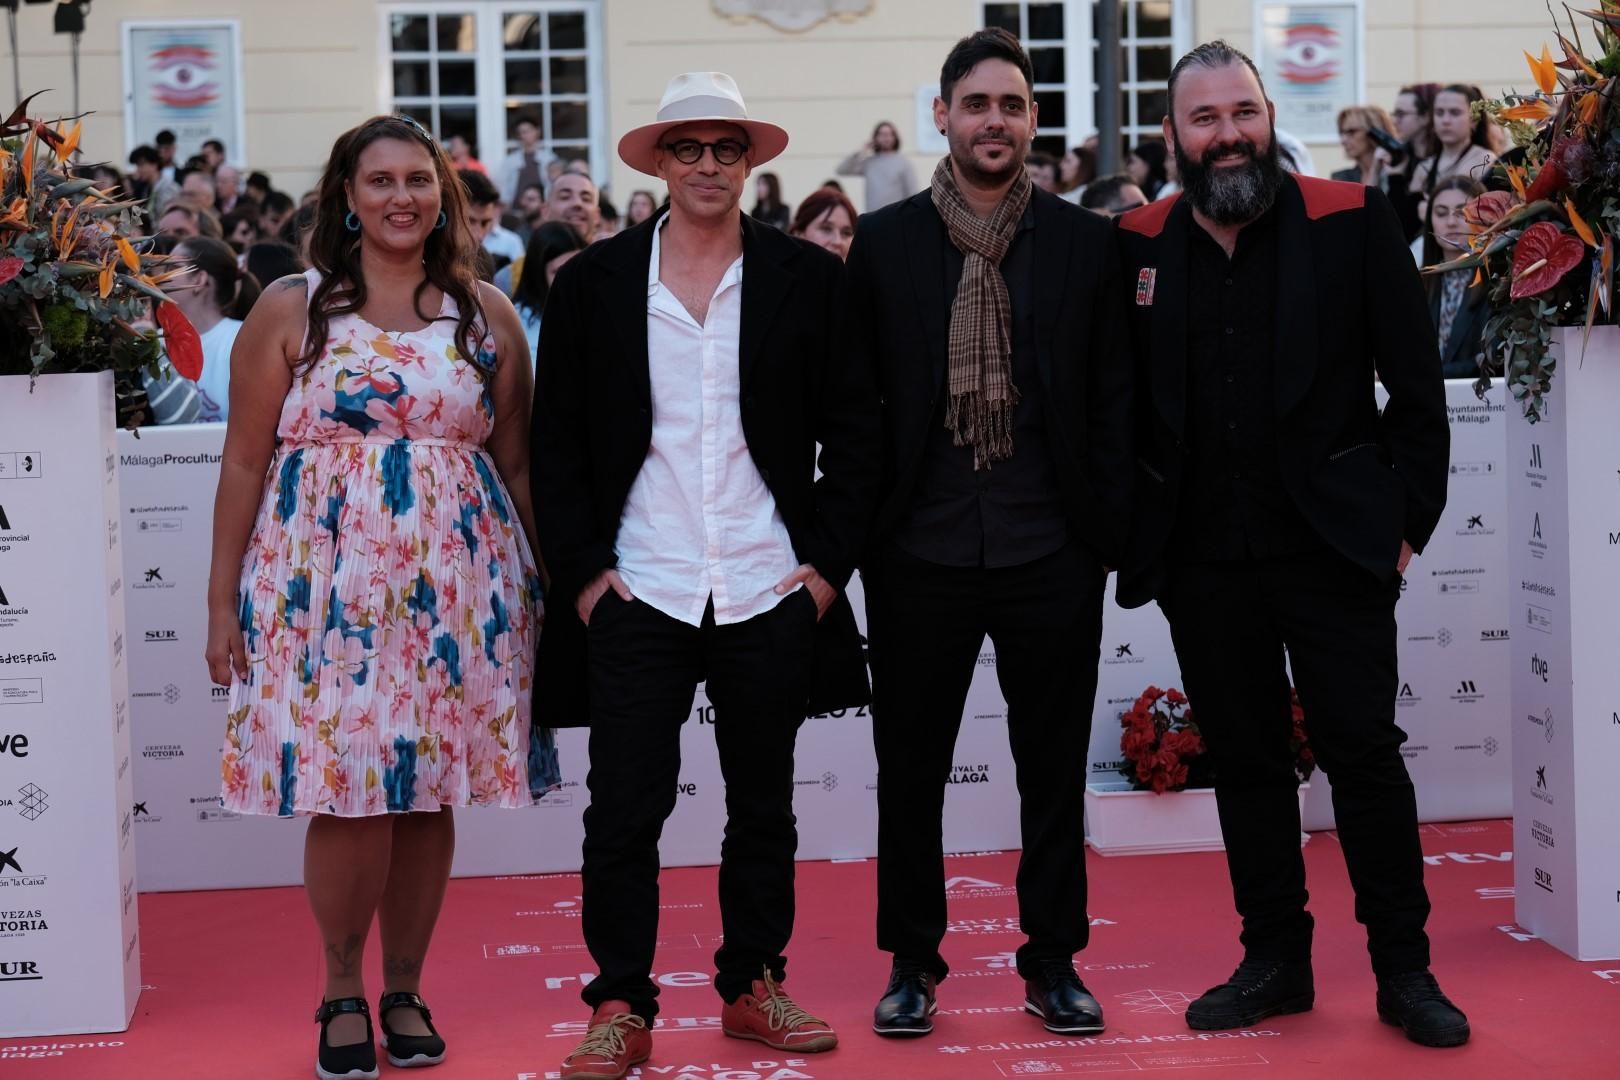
[[1149, 220], [1324, 197]]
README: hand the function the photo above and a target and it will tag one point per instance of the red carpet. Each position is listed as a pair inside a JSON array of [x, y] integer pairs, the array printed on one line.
[[232, 981]]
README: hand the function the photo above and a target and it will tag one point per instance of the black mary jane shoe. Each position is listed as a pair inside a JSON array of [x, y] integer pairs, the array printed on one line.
[[409, 1051], [356, 1061]]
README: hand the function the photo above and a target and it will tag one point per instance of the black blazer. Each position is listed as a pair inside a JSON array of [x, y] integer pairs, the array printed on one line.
[[593, 426], [898, 323], [1460, 360], [1349, 306]]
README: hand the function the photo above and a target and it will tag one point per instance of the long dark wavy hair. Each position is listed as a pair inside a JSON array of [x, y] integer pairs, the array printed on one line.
[[447, 256]]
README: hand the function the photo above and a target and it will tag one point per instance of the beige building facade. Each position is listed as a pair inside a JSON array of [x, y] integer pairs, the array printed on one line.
[[589, 69]]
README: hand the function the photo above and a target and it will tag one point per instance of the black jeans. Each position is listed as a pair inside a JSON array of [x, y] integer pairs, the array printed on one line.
[[925, 624], [1231, 622], [644, 670]]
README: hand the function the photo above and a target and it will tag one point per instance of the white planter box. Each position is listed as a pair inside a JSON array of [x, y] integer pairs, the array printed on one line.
[[1121, 821]]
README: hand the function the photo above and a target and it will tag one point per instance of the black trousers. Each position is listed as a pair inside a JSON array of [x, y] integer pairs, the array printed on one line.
[[925, 624], [1231, 623], [644, 670]]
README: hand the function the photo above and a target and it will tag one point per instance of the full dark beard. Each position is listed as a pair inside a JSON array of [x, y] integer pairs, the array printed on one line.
[[968, 167], [1231, 195]]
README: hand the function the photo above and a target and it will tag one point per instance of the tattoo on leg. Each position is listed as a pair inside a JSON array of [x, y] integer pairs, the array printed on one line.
[[401, 967], [343, 960]]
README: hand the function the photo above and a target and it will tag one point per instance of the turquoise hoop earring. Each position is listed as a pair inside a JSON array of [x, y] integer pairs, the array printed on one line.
[[442, 222], [352, 222]]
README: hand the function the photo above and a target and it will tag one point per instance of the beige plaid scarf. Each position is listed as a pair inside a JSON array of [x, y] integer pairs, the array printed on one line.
[[979, 410]]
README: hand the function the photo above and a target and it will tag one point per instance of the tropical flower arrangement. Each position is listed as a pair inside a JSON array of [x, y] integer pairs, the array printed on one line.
[[1165, 751], [1544, 243], [77, 293]]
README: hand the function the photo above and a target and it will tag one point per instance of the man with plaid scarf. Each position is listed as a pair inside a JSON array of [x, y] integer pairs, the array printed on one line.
[[992, 315]]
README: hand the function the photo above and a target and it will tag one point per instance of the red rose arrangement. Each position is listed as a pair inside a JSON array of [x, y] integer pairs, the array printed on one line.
[[1164, 750]]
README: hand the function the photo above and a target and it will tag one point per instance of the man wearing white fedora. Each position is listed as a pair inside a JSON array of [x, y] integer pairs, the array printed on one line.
[[688, 368]]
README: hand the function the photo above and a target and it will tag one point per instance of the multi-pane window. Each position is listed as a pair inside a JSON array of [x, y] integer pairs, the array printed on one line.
[[1061, 37], [474, 67]]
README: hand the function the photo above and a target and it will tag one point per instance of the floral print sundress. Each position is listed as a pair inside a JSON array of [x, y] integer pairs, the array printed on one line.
[[389, 600]]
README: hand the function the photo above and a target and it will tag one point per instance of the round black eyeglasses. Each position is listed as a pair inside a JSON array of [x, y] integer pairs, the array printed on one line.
[[690, 151]]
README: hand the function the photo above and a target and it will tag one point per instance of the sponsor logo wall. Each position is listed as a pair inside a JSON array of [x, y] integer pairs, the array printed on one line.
[[68, 961], [186, 841], [1564, 572]]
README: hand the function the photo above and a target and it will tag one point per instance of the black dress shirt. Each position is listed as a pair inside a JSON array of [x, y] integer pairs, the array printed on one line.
[[1011, 513], [1234, 503]]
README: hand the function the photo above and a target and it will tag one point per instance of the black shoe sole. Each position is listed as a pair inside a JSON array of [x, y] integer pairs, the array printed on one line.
[[1056, 1029], [1225, 1022], [1448, 1037], [896, 1031]]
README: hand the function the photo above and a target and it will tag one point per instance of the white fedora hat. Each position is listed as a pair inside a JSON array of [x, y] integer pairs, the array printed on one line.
[[696, 97]]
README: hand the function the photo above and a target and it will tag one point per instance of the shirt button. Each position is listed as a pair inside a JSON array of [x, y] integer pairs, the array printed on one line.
[[1231, 378], [1230, 331], [1229, 281], [1231, 425]]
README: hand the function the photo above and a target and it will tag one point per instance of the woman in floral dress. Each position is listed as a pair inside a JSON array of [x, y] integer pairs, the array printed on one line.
[[373, 601]]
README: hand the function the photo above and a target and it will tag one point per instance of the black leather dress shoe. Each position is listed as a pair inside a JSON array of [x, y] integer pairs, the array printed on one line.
[[1412, 1001], [907, 1006], [1257, 989], [1061, 1000]]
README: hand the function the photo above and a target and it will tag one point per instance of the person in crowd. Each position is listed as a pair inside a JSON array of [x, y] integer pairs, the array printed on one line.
[[610, 218], [1006, 490], [549, 250], [274, 210], [106, 179], [768, 204], [578, 165], [1355, 124], [149, 183], [1113, 195], [555, 168], [197, 188], [1145, 166], [1278, 508], [1076, 169], [381, 405], [227, 187], [888, 173], [525, 166], [484, 218], [629, 484], [462, 154], [1413, 117], [213, 155], [182, 219], [1459, 306], [257, 187], [530, 210], [642, 205], [1043, 171], [826, 219], [240, 228], [298, 230], [272, 260], [573, 199], [309, 198], [166, 145], [1464, 147], [216, 296]]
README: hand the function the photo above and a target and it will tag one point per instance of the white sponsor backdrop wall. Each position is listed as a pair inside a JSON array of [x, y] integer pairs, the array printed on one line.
[[69, 946], [1453, 626], [1563, 535]]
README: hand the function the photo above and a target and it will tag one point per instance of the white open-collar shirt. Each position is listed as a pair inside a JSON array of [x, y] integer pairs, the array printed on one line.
[[699, 521]]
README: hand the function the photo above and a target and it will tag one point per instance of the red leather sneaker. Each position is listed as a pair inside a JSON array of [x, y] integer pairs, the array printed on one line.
[[617, 1040], [769, 1016]]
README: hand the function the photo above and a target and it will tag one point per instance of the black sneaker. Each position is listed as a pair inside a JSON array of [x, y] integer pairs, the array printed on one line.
[[1061, 1000], [409, 1051], [1413, 1002], [1256, 990], [907, 1005], [355, 1061]]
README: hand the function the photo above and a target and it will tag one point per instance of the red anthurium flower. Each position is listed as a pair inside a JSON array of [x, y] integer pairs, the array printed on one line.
[[10, 267], [184, 346], [1489, 208], [1543, 255]]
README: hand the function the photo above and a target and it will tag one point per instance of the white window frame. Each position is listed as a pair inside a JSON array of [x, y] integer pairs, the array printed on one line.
[[489, 54], [1080, 81]]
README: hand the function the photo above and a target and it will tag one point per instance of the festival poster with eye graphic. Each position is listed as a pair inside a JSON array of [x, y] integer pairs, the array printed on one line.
[[1310, 57], [185, 77]]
